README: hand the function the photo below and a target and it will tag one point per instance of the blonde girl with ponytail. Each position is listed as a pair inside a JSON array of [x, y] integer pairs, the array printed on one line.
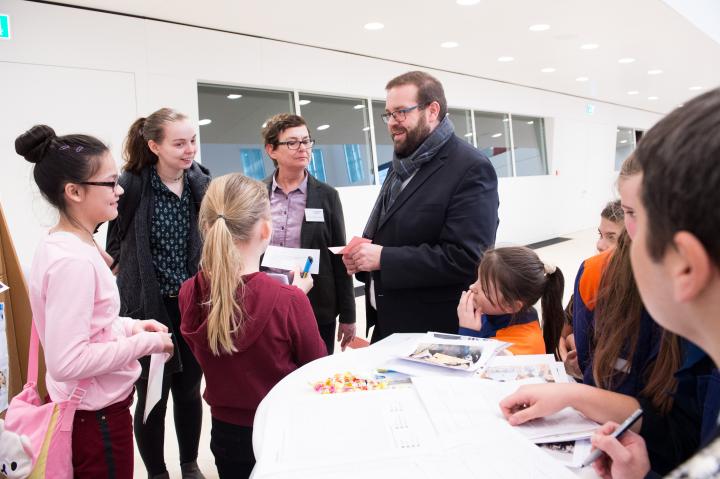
[[246, 329]]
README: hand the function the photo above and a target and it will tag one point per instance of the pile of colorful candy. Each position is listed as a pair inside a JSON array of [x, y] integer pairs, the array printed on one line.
[[347, 382]]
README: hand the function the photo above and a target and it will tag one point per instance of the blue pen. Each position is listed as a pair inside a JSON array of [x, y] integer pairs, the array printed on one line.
[[306, 268], [595, 455]]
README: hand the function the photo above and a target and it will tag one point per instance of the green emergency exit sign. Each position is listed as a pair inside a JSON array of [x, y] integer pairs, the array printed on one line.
[[4, 27]]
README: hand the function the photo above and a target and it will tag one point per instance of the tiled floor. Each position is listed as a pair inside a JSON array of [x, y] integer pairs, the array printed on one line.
[[566, 255]]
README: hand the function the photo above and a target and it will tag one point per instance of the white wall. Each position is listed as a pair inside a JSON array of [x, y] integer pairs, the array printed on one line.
[[82, 71]]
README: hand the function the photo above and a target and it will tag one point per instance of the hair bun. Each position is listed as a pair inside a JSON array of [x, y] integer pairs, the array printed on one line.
[[33, 144]]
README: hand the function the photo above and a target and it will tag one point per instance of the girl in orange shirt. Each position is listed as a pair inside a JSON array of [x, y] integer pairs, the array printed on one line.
[[500, 303]]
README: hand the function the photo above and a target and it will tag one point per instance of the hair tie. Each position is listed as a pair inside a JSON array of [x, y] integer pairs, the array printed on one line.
[[549, 268], [221, 216]]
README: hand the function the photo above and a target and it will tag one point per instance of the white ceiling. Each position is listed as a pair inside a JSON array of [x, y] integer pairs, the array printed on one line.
[[650, 31]]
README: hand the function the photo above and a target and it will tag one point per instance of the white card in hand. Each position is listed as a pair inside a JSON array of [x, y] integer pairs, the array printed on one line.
[[154, 384], [314, 215], [291, 259]]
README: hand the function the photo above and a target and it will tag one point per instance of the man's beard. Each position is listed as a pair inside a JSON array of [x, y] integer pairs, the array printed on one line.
[[413, 139]]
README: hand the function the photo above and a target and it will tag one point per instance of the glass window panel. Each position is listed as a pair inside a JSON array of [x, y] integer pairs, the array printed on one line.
[[383, 142], [353, 160], [252, 162], [317, 165], [232, 141], [624, 145], [529, 145], [493, 139], [462, 120], [341, 129]]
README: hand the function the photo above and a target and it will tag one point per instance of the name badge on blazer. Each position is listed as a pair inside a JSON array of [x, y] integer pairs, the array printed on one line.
[[314, 215]]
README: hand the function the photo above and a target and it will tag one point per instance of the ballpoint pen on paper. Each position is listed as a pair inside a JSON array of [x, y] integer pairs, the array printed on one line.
[[306, 268], [616, 434]]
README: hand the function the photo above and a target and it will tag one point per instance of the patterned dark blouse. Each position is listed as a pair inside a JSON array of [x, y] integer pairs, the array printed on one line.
[[169, 232]]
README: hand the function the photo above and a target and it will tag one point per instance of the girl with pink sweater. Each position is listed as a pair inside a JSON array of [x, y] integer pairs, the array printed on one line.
[[75, 301]]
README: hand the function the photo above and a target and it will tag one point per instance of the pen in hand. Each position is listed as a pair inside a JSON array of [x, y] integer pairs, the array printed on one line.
[[595, 455], [306, 268]]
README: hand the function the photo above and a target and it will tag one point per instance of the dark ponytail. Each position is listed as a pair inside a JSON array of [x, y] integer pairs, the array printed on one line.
[[59, 160], [553, 314], [136, 152], [517, 274]]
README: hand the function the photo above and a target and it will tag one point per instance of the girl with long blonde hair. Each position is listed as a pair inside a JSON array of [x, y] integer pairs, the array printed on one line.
[[246, 329]]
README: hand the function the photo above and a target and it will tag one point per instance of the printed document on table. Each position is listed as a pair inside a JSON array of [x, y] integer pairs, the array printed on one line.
[[322, 429], [569, 453], [471, 427], [458, 405], [527, 366], [291, 258], [451, 351]]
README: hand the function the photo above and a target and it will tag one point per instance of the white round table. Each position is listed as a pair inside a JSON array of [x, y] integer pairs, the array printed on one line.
[[272, 411]]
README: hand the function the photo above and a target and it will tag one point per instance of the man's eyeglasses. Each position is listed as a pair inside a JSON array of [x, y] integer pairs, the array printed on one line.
[[295, 144], [109, 184], [400, 114]]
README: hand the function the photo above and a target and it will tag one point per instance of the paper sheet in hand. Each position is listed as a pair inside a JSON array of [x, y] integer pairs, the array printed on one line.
[[154, 384], [356, 240], [291, 258]]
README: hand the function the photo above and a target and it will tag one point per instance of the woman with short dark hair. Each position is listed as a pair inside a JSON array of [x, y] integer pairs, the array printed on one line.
[[307, 213]]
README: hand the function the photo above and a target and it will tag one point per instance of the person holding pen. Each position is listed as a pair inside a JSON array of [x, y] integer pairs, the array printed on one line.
[[307, 213], [654, 379], [675, 256]]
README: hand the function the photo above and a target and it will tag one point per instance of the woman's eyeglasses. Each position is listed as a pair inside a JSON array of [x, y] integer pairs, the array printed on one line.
[[295, 144], [109, 184]]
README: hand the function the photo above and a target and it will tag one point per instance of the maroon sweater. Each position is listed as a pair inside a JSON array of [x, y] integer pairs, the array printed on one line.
[[279, 336]]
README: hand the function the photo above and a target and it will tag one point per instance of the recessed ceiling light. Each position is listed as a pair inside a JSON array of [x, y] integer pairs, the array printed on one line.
[[589, 46], [548, 70], [449, 44], [205, 121], [695, 88], [540, 27], [626, 60], [654, 72], [652, 98], [505, 59], [374, 26], [467, 3], [633, 92], [359, 106], [367, 128], [623, 141], [234, 96], [305, 102], [468, 135], [323, 127], [505, 120], [497, 135], [531, 122], [582, 79]]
